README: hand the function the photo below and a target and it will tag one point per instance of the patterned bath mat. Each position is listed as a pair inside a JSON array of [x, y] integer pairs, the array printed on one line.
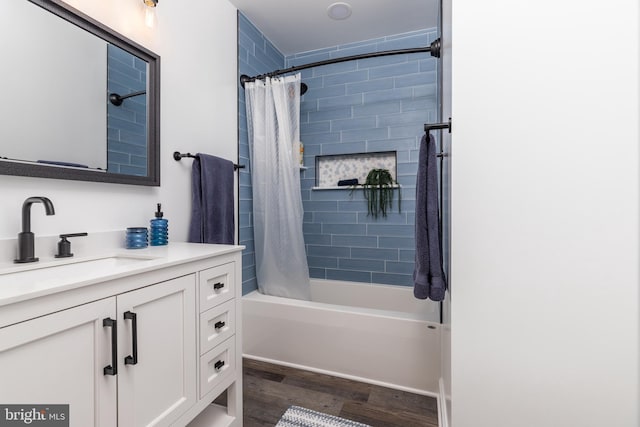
[[297, 416]]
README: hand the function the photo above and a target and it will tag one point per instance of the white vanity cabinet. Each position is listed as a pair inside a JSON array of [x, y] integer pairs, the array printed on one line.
[[59, 359], [149, 349], [156, 372]]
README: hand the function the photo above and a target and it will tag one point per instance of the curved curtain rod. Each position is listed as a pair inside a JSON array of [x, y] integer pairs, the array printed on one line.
[[434, 49]]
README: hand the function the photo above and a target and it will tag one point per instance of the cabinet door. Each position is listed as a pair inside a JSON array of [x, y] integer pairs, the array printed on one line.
[[60, 359], [158, 384]]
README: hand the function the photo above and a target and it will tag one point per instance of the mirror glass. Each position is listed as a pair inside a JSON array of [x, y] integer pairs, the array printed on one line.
[[82, 99]]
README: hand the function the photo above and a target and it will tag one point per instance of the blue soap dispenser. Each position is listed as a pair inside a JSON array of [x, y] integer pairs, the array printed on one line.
[[159, 235]]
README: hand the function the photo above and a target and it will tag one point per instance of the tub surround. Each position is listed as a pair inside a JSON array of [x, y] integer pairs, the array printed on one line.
[[354, 107], [365, 106], [256, 55], [172, 310]]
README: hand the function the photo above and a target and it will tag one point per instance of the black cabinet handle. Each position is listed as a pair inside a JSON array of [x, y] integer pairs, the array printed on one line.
[[113, 368], [132, 360], [218, 285], [219, 325], [219, 364]]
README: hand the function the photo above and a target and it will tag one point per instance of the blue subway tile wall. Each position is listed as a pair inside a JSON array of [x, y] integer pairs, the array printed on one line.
[[256, 55], [126, 124], [368, 105]]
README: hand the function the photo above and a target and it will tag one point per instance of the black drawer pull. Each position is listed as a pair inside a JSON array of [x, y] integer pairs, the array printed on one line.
[[113, 368], [132, 360], [218, 285], [219, 364], [219, 325]]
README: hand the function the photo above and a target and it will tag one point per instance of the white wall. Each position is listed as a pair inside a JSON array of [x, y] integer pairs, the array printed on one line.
[[545, 213], [197, 44]]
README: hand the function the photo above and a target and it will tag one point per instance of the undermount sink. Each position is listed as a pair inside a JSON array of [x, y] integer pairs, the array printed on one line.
[[70, 266]]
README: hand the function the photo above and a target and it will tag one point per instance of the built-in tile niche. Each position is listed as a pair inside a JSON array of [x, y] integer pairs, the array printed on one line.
[[331, 169]]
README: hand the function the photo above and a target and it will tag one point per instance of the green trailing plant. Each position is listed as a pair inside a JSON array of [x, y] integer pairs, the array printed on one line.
[[378, 192]]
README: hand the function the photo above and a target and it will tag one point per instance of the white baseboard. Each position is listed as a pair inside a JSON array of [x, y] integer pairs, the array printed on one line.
[[443, 418]]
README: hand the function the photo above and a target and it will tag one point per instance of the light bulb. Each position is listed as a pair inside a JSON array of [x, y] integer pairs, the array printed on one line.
[[150, 12], [149, 16]]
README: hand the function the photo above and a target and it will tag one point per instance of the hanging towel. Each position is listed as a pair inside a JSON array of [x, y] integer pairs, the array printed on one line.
[[428, 275], [212, 207]]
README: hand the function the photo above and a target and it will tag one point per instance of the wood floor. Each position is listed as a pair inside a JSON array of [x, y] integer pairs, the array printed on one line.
[[270, 389]]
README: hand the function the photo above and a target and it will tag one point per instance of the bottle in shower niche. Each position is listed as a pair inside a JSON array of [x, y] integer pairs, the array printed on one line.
[[301, 154], [159, 232]]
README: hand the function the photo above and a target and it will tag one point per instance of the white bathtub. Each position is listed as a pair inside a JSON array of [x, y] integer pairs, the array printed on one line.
[[373, 333]]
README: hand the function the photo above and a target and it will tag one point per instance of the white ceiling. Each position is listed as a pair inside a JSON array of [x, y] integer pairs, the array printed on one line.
[[302, 25]]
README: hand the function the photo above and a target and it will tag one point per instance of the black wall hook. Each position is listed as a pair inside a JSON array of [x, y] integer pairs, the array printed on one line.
[[117, 100]]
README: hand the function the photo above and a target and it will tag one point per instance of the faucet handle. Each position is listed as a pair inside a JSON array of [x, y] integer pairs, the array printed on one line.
[[64, 246]]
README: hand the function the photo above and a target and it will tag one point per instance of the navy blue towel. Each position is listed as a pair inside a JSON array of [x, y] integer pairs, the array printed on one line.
[[212, 206], [428, 275]]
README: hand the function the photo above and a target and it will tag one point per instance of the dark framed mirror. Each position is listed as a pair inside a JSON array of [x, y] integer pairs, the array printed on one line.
[[82, 102]]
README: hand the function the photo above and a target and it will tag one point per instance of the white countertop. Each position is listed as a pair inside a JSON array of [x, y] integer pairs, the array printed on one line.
[[20, 282]]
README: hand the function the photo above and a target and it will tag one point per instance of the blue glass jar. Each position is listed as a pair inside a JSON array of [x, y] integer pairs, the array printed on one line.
[[159, 235], [136, 238]]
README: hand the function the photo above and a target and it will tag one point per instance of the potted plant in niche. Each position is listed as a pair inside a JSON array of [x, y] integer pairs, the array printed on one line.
[[378, 192]]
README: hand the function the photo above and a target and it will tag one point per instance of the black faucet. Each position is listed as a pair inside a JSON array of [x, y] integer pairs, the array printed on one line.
[[25, 238]]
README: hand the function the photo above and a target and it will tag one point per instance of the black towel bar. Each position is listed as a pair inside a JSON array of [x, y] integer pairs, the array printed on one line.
[[433, 126], [177, 156]]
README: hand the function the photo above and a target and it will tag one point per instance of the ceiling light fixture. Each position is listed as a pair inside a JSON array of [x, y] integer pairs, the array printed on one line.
[[339, 11]]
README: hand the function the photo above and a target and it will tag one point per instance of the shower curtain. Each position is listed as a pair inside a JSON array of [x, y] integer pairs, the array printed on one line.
[[273, 120]]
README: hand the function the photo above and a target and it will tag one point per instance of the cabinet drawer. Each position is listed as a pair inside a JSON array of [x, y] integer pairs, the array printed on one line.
[[218, 366], [216, 325], [217, 285]]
